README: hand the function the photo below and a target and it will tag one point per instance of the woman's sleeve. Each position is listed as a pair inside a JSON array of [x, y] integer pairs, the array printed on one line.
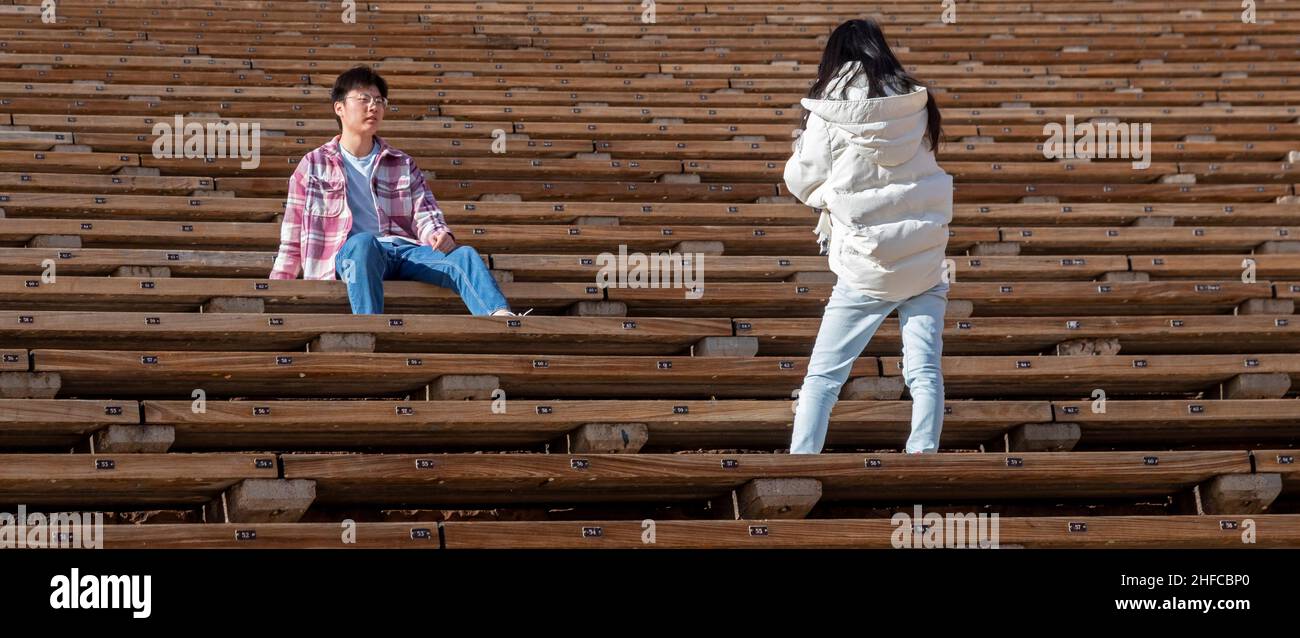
[[808, 167]]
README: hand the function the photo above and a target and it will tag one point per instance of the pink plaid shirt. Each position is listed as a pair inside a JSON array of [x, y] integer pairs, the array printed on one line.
[[317, 218]]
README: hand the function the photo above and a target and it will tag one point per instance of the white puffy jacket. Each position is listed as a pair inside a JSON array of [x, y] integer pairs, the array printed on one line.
[[886, 204]]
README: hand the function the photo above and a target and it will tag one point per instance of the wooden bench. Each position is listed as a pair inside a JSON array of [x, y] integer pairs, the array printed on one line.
[[1117, 375], [1146, 334], [175, 294], [1020, 298], [159, 373], [130, 481], [1058, 532], [473, 480], [377, 333], [46, 423], [1112, 532], [667, 425], [1179, 423]]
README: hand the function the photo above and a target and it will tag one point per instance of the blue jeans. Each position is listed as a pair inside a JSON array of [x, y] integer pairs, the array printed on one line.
[[850, 320], [372, 261]]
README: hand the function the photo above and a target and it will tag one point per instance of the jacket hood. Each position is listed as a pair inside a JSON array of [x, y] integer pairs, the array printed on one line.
[[885, 130]]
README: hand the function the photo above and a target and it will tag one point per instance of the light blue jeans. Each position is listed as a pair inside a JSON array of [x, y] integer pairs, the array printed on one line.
[[850, 320], [372, 261]]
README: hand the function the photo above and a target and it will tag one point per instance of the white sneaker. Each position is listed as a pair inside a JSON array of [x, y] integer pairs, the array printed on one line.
[[506, 313]]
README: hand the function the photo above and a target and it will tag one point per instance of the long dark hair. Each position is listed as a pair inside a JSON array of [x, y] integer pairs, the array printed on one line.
[[862, 41]]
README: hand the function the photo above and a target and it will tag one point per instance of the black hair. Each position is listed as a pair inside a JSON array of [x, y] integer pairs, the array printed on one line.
[[358, 77], [863, 42]]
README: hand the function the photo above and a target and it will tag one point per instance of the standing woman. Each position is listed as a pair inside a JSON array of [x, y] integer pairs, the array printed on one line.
[[866, 159]]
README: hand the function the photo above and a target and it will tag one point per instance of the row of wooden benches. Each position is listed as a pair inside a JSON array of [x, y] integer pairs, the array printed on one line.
[[268, 487], [1244, 163], [629, 426], [779, 113], [780, 38], [217, 331], [715, 240], [1057, 532], [975, 82], [641, 48], [726, 373], [786, 75], [732, 193], [675, 297], [687, 18], [718, 268], [21, 202], [448, 93], [38, 132]]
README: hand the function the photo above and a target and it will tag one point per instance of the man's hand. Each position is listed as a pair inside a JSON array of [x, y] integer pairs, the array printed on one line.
[[444, 242]]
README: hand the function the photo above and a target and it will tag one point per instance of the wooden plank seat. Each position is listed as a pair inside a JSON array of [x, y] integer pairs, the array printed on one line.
[[585, 268], [111, 61], [567, 190], [125, 481], [386, 332], [403, 97], [483, 479], [102, 184], [1237, 172], [44, 205], [524, 267], [67, 162], [308, 124], [1167, 131], [688, 424], [1110, 532], [671, 425], [1116, 193], [185, 77], [20, 204], [1266, 266], [499, 167], [1128, 239], [331, 535], [666, 129], [1179, 423], [144, 233], [484, 237], [60, 423], [1283, 462], [225, 264], [180, 294], [1287, 289], [276, 149], [1118, 375], [33, 140], [1141, 334], [715, 267], [14, 360], [164, 373], [48, 202], [1021, 298], [1056, 532]]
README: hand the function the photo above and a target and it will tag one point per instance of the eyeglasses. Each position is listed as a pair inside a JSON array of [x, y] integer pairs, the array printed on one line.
[[367, 100]]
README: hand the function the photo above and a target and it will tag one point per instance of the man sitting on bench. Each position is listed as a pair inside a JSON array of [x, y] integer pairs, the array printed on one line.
[[360, 209]]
